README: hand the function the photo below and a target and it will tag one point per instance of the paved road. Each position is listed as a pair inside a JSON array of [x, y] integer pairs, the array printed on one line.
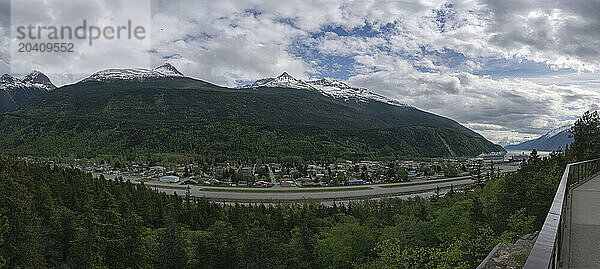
[[585, 225], [374, 191], [505, 168]]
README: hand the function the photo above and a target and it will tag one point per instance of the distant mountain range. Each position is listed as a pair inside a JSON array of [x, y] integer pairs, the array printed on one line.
[[140, 113], [14, 91], [552, 140]]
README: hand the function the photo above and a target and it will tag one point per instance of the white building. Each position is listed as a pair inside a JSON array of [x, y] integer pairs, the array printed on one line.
[[169, 179], [157, 168]]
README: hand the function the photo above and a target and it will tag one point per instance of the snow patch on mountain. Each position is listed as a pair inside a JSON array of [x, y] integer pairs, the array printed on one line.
[[282, 81], [40, 80], [14, 91], [339, 90], [556, 131], [34, 80], [329, 87], [506, 141], [168, 69], [163, 71]]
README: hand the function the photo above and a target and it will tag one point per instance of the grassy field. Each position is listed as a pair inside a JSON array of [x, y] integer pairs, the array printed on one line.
[[422, 183]]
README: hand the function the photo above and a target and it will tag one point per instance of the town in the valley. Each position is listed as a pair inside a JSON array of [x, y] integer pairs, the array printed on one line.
[[305, 174]]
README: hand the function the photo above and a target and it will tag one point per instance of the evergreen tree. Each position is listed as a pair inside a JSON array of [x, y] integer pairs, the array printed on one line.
[[586, 134], [171, 247], [3, 230]]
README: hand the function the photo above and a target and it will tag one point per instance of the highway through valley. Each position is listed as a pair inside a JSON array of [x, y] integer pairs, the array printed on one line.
[[297, 194]]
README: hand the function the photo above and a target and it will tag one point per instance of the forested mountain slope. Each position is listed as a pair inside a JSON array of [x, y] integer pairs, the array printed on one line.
[[150, 114]]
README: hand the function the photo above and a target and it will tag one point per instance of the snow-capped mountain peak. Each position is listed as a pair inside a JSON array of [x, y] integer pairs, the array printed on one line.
[[40, 79], [329, 82], [507, 141], [286, 76], [284, 80], [14, 91], [114, 74], [169, 69], [36, 79], [556, 131], [6, 78], [330, 87]]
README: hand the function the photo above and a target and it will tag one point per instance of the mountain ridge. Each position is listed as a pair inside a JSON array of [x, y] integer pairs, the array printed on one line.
[[140, 74], [139, 113], [552, 140], [14, 91], [330, 87]]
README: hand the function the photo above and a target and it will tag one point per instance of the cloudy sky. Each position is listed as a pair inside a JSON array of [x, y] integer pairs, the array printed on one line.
[[510, 69]]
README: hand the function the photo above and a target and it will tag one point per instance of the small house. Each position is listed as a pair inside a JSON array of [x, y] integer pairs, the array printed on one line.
[[288, 183]]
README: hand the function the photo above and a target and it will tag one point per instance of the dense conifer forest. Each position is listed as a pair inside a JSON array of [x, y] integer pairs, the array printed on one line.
[[58, 217]]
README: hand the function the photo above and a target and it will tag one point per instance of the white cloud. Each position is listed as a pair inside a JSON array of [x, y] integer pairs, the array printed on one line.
[[333, 44], [494, 108], [226, 43], [62, 67], [561, 33]]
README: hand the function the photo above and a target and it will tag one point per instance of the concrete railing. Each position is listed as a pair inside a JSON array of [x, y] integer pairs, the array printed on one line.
[[546, 251]]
